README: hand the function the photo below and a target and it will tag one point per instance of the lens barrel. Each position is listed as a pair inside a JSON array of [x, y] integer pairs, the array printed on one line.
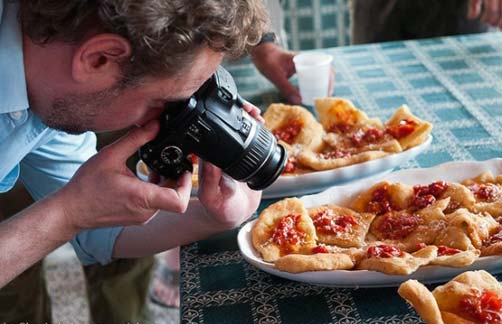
[[271, 170], [261, 163]]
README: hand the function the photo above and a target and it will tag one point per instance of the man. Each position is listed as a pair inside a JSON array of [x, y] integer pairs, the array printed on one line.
[[80, 66], [389, 20]]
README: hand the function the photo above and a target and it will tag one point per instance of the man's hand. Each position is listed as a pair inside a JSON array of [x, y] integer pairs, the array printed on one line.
[[222, 205], [253, 111], [104, 192], [276, 64], [489, 11], [227, 201]]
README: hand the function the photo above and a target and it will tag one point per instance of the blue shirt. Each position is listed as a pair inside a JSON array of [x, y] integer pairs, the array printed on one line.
[[44, 159]]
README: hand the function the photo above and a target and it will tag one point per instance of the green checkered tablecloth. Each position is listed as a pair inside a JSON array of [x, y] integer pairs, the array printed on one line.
[[455, 82], [316, 23]]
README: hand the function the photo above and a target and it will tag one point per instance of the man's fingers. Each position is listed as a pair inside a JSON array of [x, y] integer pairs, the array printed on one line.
[[228, 186], [253, 111], [288, 90], [474, 9], [499, 25], [128, 144], [491, 12], [214, 183], [170, 199], [153, 177], [209, 175]]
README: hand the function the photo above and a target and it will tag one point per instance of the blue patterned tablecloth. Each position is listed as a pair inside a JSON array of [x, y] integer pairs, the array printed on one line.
[[453, 82]]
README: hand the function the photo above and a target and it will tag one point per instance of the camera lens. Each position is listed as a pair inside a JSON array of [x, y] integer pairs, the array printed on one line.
[[262, 161], [270, 171]]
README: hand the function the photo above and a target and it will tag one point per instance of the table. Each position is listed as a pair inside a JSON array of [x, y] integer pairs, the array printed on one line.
[[453, 82]]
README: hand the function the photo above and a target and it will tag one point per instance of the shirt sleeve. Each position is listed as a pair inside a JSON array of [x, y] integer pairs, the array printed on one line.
[[50, 167]]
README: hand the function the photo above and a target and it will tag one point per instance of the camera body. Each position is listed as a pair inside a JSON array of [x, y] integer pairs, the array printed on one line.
[[212, 125]]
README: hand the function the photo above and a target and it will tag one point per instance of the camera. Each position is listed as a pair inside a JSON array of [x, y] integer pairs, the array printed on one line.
[[212, 125]]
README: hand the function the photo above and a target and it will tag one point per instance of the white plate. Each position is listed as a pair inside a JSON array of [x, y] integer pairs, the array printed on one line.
[[316, 181], [342, 195]]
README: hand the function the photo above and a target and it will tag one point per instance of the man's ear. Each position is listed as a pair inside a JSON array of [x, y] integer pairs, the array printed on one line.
[[96, 60]]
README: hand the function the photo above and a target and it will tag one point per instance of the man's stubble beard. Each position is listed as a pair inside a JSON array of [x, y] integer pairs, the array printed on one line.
[[77, 113]]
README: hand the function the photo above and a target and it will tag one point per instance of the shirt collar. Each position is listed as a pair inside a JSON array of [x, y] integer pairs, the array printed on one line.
[[13, 93]]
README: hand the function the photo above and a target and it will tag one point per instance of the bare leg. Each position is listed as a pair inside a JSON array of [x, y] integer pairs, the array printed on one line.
[[166, 289]]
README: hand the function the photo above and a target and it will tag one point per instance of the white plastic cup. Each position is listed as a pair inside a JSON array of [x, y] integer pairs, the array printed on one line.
[[313, 70]]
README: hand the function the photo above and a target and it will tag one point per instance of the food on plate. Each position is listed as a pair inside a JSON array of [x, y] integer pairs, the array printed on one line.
[[383, 197], [392, 260], [408, 129], [393, 228], [340, 226], [294, 125], [469, 298], [467, 230], [339, 115], [493, 244], [334, 158], [284, 228], [409, 229], [344, 135], [452, 257], [487, 191], [296, 263]]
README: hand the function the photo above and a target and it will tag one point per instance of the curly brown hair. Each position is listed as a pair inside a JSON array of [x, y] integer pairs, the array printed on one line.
[[164, 34]]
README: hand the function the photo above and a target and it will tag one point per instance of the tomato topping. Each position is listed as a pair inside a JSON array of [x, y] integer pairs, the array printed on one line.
[[291, 165], [371, 135], [340, 128], [485, 306], [384, 251], [485, 191], [445, 250], [420, 202], [421, 246], [493, 239], [289, 131], [436, 189], [320, 249], [427, 195], [397, 226], [336, 154], [345, 221], [328, 223], [380, 201], [287, 233], [403, 129]]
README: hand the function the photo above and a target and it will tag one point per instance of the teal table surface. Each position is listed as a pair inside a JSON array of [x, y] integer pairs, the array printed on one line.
[[453, 82]]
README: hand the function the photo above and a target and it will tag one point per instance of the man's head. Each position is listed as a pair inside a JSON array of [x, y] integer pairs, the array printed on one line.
[[107, 64]]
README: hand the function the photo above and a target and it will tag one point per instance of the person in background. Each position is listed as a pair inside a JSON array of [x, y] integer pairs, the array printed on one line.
[[389, 20], [71, 68]]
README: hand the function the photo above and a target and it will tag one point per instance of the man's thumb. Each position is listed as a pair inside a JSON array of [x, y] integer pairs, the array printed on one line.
[[135, 138]]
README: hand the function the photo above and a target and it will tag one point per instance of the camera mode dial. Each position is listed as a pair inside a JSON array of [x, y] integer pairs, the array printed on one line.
[[171, 155]]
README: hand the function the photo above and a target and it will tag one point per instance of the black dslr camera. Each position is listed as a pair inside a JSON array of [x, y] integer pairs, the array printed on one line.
[[212, 125]]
